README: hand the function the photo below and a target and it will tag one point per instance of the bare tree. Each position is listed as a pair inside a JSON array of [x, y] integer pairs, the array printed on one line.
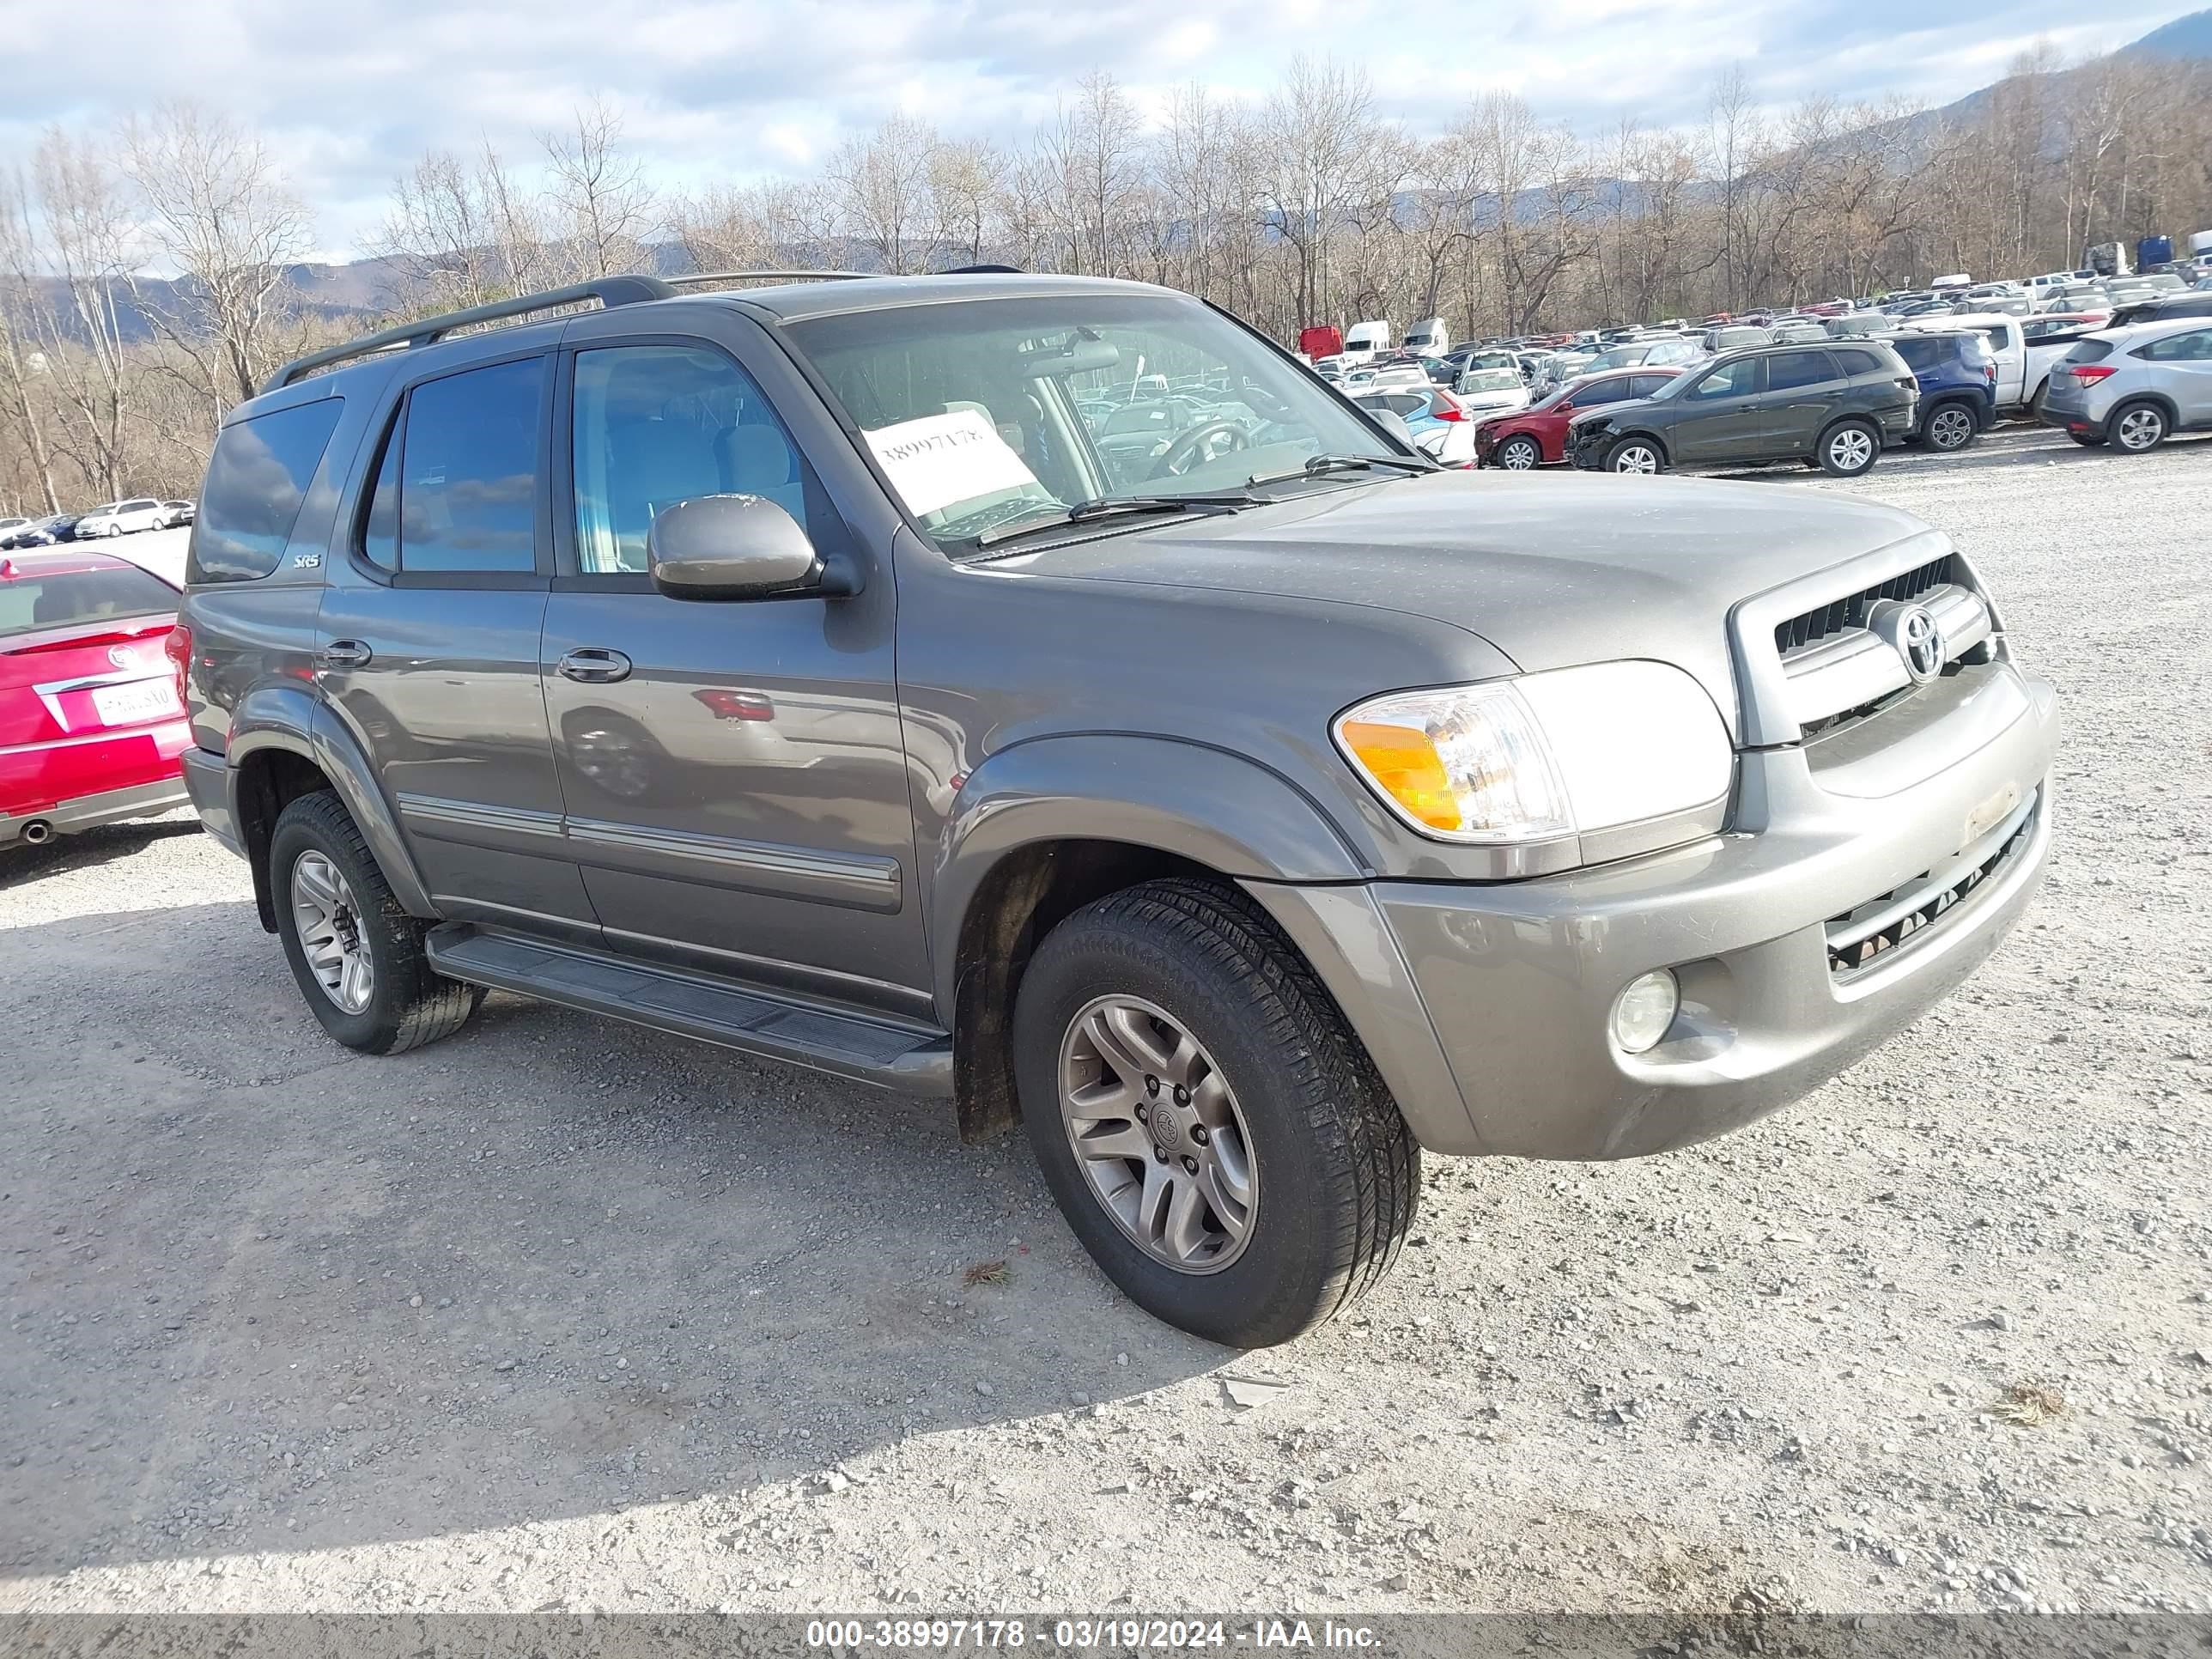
[[1317, 131], [463, 231], [598, 194], [966, 181], [883, 183], [218, 212]]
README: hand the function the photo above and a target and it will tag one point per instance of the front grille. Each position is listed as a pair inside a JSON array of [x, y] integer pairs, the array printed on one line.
[[1850, 610], [1866, 933]]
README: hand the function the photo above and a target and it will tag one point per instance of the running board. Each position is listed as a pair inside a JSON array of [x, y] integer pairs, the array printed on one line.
[[836, 1041]]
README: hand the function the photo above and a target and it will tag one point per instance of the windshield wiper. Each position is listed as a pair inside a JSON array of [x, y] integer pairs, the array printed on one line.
[[1102, 507], [1318, 465]]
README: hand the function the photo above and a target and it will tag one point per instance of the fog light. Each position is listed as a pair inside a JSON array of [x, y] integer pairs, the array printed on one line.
[[1645, 1010]]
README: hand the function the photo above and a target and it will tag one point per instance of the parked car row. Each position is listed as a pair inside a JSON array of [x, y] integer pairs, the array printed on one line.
[[111, 519]]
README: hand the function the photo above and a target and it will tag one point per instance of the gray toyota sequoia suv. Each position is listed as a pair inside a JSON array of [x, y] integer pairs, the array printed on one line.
[[1044, 694]]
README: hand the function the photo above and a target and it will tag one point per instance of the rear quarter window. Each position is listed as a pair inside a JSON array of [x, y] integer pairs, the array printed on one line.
[[257, 479]]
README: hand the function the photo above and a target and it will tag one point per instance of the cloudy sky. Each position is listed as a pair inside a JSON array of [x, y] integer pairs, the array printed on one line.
[[349, 94]]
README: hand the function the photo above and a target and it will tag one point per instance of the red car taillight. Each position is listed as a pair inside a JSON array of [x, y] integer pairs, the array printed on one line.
[[2090, 373], [177, 646], [725, 704]]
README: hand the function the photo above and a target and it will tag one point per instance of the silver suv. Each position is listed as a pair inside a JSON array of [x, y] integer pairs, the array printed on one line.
[[1245, 812], [2131, 388]]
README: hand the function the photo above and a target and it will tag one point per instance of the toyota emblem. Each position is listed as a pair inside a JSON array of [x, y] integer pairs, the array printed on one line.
[[1910, 631]]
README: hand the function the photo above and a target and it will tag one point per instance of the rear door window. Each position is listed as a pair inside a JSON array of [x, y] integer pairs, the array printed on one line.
[[257, 479], [458, 488], [1920, 354], [1792, 371]]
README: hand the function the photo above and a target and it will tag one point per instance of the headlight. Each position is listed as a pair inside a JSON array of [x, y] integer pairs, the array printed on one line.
[[1560, 753]]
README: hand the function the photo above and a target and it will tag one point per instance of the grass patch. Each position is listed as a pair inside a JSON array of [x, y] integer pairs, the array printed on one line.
[[988, 1272]]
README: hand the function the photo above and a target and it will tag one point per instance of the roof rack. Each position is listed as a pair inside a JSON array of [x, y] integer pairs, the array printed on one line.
[[702, 278], [609, 291]]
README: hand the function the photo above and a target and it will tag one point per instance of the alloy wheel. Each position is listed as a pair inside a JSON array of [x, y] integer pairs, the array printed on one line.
[[1850, 449], [328, 919], [1158, 1134], [2140, 429], [1951, 429], [1519, 455], [1637, 458]]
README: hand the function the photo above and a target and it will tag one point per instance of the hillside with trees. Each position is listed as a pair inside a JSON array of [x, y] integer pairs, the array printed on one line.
[[152, 275]]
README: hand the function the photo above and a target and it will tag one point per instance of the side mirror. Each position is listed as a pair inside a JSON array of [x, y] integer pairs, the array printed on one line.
[[738, 547], [1564, 409]]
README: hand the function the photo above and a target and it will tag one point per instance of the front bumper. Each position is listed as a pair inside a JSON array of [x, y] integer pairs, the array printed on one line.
[[1487, 1008]]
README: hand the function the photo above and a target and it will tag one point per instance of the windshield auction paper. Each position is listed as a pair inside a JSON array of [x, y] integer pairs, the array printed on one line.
[[939, 459]]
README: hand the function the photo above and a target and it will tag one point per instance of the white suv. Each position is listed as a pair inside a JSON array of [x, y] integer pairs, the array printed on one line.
[[120, 518]]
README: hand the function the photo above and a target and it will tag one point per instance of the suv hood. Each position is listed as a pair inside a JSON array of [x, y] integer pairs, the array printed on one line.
[[1551, 571]]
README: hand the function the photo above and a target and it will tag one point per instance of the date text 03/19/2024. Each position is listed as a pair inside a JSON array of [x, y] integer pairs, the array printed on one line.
[[1117, 1634]]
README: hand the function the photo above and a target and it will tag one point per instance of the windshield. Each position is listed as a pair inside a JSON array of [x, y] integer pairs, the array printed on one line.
[[1491, 380], [981, 412]]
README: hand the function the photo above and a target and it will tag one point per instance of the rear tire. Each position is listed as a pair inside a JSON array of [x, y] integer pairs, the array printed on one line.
[[326, 885], [2137, 428], [1951, 427], [1848, 449], [1330, 1171]]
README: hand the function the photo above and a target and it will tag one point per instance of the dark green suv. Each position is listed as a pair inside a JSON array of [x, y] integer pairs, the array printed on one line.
[[1831, 406]]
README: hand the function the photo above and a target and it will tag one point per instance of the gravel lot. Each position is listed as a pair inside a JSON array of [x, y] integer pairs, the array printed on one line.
[[565, 1314]]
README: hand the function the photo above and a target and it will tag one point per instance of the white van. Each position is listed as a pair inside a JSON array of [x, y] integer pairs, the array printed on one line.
[[1429, 338]]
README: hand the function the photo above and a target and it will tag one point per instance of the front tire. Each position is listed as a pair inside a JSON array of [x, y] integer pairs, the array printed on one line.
[[1212, 1129], [1520, 453], [357, 954], [1848, 449], [1636, 457]]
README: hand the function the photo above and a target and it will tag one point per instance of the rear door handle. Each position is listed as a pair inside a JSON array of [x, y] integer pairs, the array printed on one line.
[[588, 664], [344, 654]]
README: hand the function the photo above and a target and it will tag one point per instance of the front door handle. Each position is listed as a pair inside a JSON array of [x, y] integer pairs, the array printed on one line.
[[588, 665], [344, 654]]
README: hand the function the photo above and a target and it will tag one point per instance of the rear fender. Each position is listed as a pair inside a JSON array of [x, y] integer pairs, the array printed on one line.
[[294, 719]]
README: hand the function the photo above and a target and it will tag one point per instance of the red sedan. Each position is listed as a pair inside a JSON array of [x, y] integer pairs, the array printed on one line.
[[1537, 435], [91, 723]]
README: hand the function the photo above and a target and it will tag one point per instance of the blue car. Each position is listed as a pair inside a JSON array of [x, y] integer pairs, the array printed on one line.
[[1957, 383]]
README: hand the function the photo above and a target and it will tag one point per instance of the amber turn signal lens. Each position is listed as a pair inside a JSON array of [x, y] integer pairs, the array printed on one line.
[[1405, 764]]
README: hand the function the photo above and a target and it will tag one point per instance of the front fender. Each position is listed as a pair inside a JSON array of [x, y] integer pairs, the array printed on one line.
[[293, 718], [1215, 808]]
